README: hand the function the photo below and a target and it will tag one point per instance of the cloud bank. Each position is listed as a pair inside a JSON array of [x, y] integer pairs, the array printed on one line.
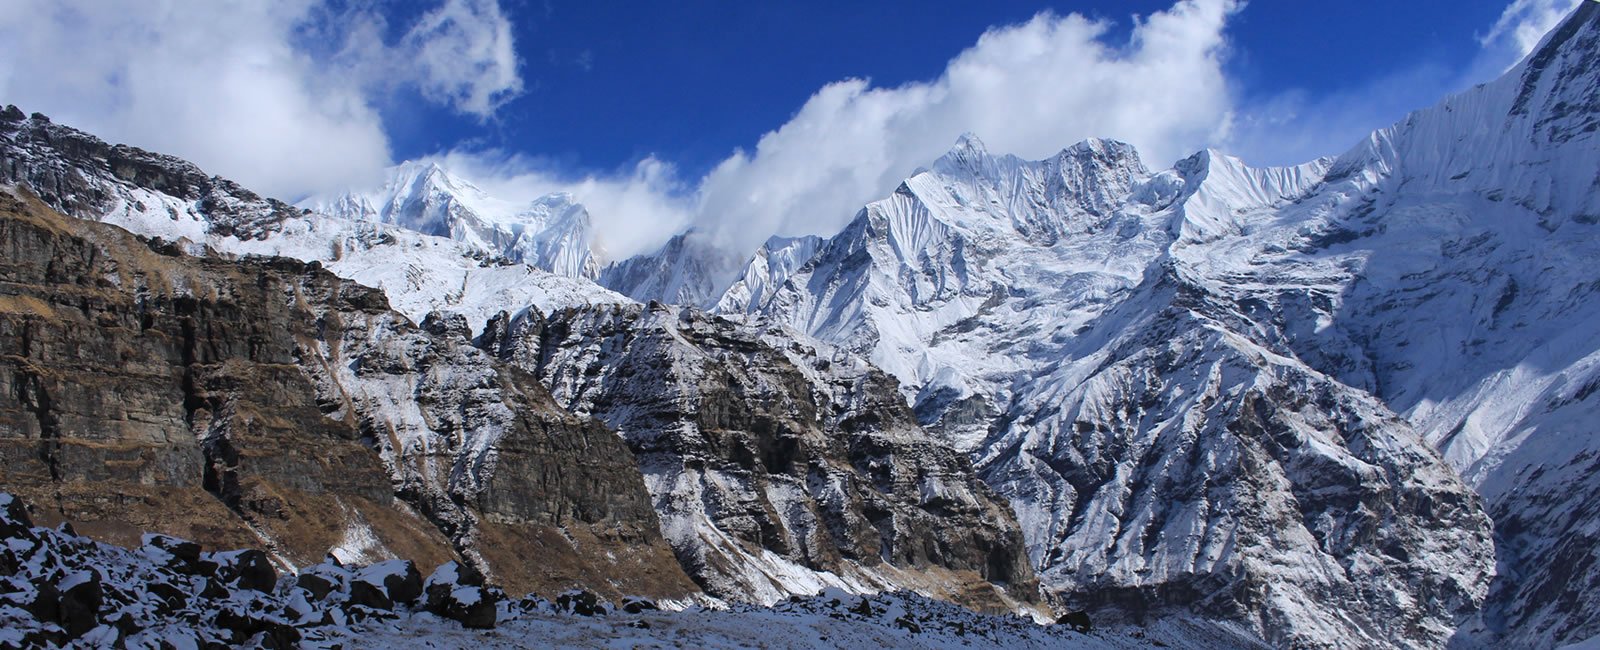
[[279, 95]]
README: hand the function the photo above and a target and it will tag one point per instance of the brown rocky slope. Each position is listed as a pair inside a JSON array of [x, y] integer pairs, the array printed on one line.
[[266, 402]]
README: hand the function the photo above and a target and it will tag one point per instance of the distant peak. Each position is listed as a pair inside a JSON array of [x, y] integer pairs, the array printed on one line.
[[968, 154], [1103, 153], [969, 142], [780, 241], [1101, 146]]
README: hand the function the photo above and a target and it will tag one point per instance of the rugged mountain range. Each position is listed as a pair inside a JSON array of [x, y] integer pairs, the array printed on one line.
[[266, 402], [462, 447], [552, 233], [1158, 459], [1132, 357], [1349, 403]]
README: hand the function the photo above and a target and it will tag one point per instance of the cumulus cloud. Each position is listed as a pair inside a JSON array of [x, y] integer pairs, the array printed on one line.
[[633, 210], [464, 55], [279, 95], [1028, 89]]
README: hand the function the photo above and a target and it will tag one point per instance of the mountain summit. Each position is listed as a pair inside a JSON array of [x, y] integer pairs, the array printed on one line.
[[553, 232]]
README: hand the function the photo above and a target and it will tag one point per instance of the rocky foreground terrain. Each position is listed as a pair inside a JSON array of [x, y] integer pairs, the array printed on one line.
[[62, 588]]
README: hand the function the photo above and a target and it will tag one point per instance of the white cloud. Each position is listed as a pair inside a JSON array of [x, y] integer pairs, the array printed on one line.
[[1028, 89], [633, 211], [233, 87], [280, 96], [1523, 24], [464, 53]]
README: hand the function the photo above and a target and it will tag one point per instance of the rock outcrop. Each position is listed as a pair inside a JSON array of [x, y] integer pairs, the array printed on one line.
[[50, 159], [266, 401], [777, 469]]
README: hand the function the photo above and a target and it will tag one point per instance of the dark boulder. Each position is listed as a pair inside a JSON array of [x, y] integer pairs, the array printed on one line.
[[170, 598], [319, 586], [399, 580], [638, 604], [1078, 621], [81, 596], [14, 520], [582, 603], [455, 591], [370, 595], [183, 555], [249, 569], [244, 626]]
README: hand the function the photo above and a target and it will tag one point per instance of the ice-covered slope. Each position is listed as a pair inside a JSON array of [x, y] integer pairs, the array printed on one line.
[[777, 259], [552, 233], [1446, 266], [690, 269], [1157, 456], [1183, 379]]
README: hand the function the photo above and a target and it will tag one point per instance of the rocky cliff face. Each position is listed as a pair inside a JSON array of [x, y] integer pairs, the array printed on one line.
[[777, 469], [51, 160], [459, 434], [1160, 459], [266, 401], [1241, 391], [167, 198]]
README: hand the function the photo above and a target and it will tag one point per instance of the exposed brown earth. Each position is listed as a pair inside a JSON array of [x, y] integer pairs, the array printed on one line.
[[146, 390]]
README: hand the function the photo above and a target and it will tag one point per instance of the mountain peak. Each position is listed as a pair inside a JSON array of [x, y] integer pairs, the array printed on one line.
[[970, 141], [968, 153]]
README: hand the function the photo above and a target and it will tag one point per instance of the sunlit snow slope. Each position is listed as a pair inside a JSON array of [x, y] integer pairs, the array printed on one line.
[[1229, 389]]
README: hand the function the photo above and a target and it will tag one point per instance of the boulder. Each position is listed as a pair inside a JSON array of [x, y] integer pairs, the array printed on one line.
[[81, 596], [638, 604], [249, 569], [319, 586], [1078, 621], [399, 580], [370, 595], [14, 520], [582, 603], [243, 626], [455, 591], [180, 555]]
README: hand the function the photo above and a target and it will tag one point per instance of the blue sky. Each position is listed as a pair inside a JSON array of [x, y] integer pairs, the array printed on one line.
[[609, 83], [740, 119]]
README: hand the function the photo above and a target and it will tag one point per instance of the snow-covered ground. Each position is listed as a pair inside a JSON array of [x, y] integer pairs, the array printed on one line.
[[833, 619]]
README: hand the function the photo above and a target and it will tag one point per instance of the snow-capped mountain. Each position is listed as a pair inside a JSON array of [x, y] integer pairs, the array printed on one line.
[[161, 196], [690, 269], [1037, 318], [439, 441], [552, 232], [773, 263], [1233, 389], [1349, 403]]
